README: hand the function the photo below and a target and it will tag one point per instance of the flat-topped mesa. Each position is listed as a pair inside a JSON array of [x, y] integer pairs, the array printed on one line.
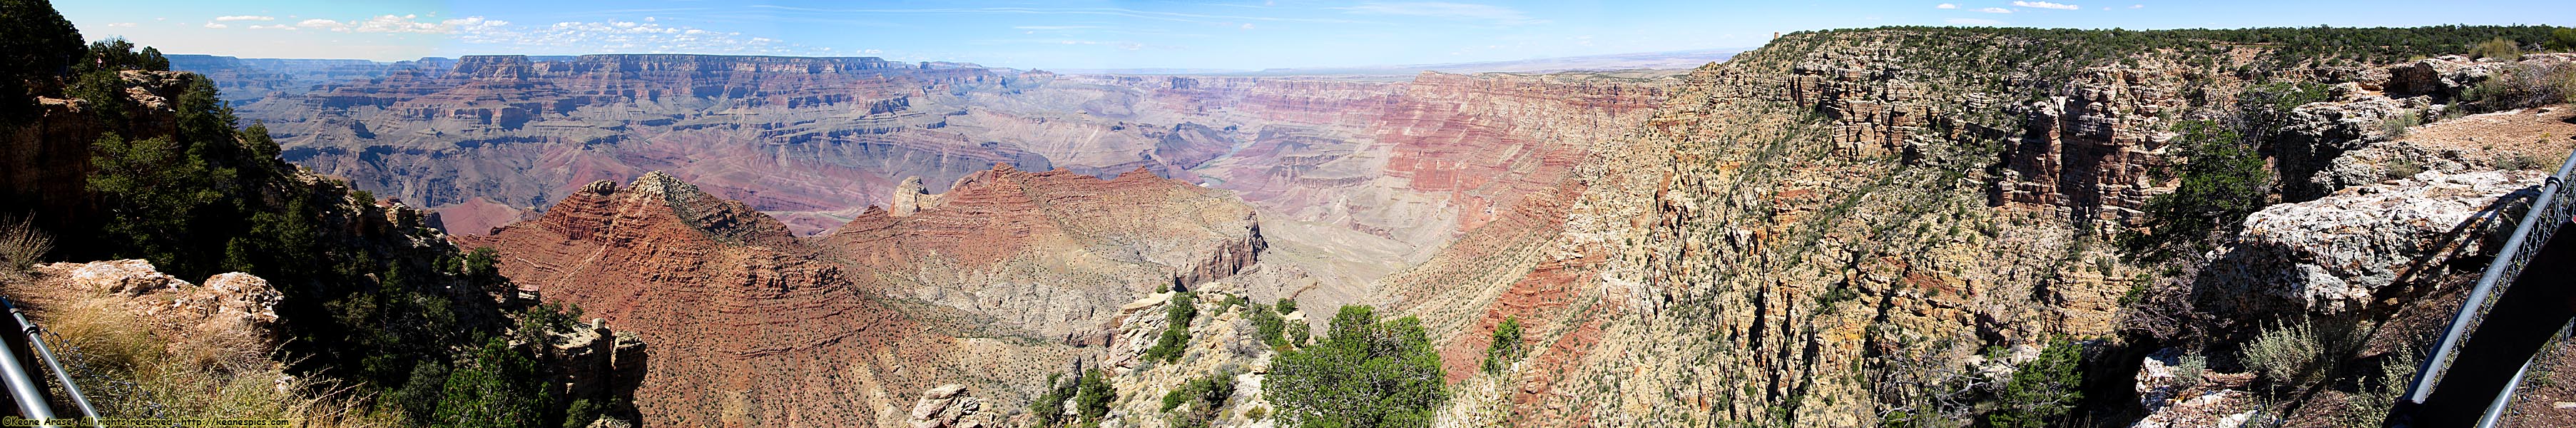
[[1072, 246], [493, 66]]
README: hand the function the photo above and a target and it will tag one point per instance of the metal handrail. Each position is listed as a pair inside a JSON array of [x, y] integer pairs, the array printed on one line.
[[2548, 211], [36, 341]]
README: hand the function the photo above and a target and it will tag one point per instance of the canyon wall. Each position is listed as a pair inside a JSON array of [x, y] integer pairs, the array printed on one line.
[[1831, 230]]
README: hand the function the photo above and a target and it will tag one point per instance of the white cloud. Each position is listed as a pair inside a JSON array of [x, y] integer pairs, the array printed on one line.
[[275, 27], [2137, 6], [122, 25], [1974, 21], [1461, 11], [1945, 6], [1995, 10], [215, 25], [2046, 5], [245, 18], [1247, 25]]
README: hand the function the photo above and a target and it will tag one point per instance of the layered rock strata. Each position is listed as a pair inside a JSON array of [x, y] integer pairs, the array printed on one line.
[[1054, 252]]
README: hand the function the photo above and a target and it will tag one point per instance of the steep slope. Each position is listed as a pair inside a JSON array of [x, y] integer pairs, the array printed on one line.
[[747, 329], [1861, 227]]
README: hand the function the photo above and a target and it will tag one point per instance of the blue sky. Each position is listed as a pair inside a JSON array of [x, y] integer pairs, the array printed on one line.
[[1249, 34]]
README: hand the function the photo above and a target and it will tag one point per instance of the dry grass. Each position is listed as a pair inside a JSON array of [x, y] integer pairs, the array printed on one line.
[[21, 244], [129, 372]]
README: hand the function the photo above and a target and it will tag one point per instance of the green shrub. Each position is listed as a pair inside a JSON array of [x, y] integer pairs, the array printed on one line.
[[2223, 180], [1506, 346], [1175, 340], [1269, 325], [1287, 306], [1365, 373], [2042, 390], [1049, 406], [1092, 395], [500, 388], [2562, 40], [1198, 400]]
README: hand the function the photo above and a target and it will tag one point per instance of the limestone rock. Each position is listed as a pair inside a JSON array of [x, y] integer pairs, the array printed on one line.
[[2333, 254]]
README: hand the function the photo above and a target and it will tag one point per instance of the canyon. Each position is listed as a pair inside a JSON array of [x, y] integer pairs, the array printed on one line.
[[1841, 228]]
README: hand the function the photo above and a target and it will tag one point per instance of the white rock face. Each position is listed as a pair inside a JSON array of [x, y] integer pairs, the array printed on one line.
[[2332, 254]]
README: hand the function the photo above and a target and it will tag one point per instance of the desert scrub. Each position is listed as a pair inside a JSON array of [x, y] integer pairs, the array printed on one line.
[[2378, 395], [2495, 48], [2516, 161], [2395, 127], [2293, 354], [2403, 169]]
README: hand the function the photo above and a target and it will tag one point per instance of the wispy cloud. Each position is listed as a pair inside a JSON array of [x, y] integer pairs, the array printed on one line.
[[245, 18], [1974, 21], [1995, 10], [274, 27], [404, 24], [215, 25], [2137, 6], [122, 25], [2046, 5], [1446, 10], [1945, 6]]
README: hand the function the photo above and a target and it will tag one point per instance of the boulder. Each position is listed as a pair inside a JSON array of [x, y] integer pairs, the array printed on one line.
[[2335, 253]]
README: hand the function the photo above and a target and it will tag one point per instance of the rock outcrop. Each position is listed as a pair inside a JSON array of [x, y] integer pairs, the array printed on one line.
[[947, 406], [2339, 253]]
